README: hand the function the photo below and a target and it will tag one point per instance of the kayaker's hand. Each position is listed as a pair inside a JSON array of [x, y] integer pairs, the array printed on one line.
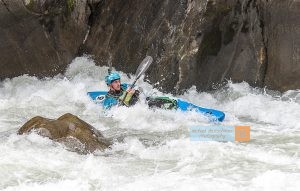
[[131, 91]]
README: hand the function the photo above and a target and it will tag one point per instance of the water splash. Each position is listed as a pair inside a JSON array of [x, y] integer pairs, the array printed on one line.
[[154, 151]]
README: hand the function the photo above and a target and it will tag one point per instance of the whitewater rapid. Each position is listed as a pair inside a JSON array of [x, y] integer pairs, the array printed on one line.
[[156, 152]]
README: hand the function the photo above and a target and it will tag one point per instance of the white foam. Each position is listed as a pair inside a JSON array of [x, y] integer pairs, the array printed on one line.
[[156, 153]]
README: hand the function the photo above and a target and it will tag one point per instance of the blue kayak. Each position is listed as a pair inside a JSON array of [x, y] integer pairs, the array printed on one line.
[[99, 96]]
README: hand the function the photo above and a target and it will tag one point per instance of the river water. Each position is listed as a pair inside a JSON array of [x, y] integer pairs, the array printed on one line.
[[156, 152]]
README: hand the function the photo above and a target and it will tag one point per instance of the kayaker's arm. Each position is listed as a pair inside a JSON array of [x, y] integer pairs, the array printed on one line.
[[132, 96]]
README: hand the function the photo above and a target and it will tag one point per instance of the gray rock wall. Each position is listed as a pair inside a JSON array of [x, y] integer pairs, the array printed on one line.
[[193, 42], [39, 37], [282, 26]]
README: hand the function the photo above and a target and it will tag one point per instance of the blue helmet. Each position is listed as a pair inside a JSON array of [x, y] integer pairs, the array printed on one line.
[[112, 77]]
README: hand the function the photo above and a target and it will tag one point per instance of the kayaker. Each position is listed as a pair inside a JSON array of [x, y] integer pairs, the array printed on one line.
[[117, 92]]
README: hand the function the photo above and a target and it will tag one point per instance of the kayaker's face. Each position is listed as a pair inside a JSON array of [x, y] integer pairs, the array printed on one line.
[[116, 85]]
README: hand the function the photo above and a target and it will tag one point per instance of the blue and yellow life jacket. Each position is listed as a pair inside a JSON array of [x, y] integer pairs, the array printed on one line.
[[112, 98]]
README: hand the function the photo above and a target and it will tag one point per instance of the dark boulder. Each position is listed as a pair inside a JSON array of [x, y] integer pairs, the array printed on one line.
[[70, 130]]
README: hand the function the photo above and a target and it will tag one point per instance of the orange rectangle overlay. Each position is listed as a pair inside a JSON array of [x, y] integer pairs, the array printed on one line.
[[242, 133]]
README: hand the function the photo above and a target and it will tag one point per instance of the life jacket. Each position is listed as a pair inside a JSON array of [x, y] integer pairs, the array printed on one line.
[[115, 98]]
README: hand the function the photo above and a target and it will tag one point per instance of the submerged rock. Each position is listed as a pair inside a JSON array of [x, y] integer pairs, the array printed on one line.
[[70, 130]]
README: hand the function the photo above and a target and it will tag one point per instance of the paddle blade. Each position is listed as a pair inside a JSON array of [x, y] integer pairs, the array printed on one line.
[[143, 66]]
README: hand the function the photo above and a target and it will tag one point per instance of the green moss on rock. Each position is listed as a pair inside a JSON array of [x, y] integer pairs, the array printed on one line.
[[70, 5]]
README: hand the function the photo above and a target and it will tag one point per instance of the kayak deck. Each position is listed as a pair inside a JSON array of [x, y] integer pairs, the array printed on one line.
[[99, 96]]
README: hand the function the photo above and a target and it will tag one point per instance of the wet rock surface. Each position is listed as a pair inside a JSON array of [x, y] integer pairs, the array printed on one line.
[[39, 37], [74, 133], [193, 42], [282, 26]]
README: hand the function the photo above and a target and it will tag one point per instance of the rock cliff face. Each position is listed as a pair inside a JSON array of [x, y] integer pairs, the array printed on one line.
[[193, 42], [282, 31], [40, 37]]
